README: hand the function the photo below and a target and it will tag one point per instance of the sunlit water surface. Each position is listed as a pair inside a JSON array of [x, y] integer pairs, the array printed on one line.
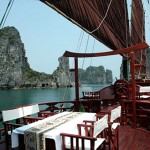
[[12, 98]]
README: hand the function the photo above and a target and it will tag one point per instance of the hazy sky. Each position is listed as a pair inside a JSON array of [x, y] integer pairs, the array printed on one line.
[[46, 35]]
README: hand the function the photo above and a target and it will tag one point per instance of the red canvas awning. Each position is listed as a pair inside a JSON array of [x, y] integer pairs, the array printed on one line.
[[110, 15], [138, 35]]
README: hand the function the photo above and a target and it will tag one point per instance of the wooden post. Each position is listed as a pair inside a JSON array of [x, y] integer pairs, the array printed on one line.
[[125, 68], [132, 69], [76, 83]]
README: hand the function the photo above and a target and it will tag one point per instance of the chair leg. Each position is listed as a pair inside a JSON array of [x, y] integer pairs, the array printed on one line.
[[115, 141], [109, 137], [104, 145], [7, 143], [118, 140]]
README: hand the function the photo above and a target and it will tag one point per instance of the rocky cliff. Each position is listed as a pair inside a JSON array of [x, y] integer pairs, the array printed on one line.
[[61, 75], [12, 58], [95, 75], [15, 71]]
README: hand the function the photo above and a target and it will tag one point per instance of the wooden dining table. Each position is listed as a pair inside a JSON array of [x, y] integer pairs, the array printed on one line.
[[51, 128]]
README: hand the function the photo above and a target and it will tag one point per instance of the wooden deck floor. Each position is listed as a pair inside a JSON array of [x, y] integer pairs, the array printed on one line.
[[129, 139], [133, 139]]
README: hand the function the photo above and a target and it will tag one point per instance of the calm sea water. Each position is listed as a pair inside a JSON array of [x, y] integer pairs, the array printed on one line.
[[12, 98]]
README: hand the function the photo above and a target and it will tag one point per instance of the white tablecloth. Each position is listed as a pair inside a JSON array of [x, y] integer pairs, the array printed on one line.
[[68, 127]]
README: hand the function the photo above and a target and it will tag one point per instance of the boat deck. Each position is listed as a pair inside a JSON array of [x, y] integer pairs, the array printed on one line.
[[135, 139], [129, 138]]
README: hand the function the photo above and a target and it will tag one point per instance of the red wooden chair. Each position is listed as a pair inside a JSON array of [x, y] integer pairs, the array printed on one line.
[[46, 114], [30, 119], [15, 118], [30, 114], [113, 128], [89, 136], [2, 135], [11, 120], [30, 109]]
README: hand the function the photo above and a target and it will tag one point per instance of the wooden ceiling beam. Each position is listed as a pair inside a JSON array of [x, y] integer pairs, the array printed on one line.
[[139, 46]]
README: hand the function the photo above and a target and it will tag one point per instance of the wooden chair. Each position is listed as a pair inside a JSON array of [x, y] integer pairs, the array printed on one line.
[[11, 119], [2, 135], [30, 119], [113, 128], [85, 139], [87, 91], [46, 114], [144, 92], [15, 118], [31, 109], [29, 113], [115, 115]]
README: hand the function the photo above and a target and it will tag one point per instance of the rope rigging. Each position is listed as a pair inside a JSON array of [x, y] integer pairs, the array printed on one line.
[[84, 58], [92, 52], [9, 6], [77, 50], [102, 19]]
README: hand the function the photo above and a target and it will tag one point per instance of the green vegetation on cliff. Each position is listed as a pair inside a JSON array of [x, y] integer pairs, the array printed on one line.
[[95, 75], [34, 76]]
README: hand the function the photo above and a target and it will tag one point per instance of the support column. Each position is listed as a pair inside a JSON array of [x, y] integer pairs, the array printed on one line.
[[132, 69], [125, 64], [76, 83]]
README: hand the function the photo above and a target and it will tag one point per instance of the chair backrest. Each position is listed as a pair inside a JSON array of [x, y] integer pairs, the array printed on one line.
[[78, 142], [31, 109], [144, 92], [85, 129], [12, 114], [87, 91], [144, 89], [100, 125], [115, 113]]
